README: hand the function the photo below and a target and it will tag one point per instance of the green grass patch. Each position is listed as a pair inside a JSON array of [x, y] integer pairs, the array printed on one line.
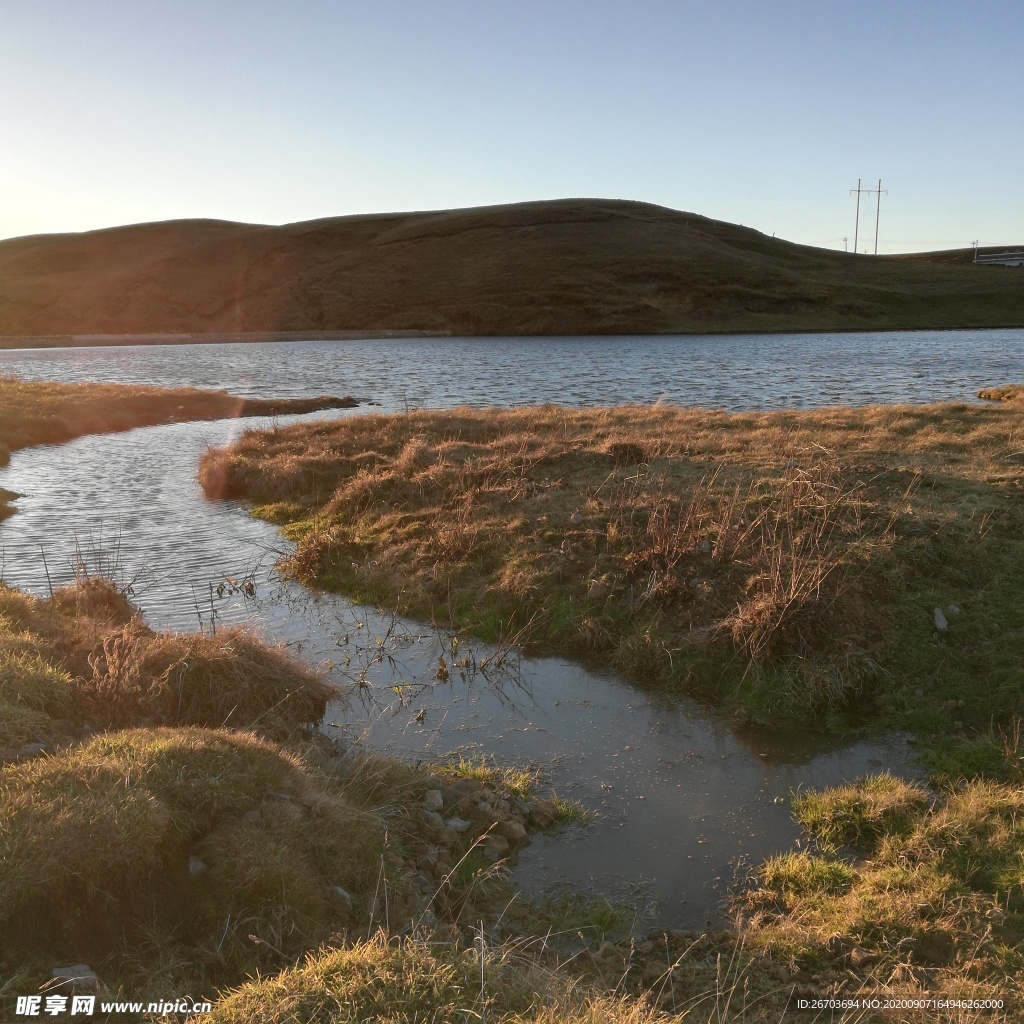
[[790, 563]]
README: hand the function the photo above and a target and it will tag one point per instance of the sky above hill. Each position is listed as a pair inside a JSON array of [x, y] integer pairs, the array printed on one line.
[[759, 112]]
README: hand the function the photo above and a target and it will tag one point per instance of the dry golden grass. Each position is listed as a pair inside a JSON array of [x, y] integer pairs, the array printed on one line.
[[651, 538], [85, 656], [1009, 393]]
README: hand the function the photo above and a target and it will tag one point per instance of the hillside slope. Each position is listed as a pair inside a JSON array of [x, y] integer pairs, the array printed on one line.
[[562, 267]]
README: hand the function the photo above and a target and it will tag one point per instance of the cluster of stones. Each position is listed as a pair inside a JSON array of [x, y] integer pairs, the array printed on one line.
[[459, 816]]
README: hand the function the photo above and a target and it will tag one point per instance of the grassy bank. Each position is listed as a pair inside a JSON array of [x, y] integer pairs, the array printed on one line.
[[42, 412], [168, 817], [901, 888], [786, 563], [238, 858]]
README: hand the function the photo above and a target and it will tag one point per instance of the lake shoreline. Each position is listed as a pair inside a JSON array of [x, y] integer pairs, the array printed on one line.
[[77, 341]]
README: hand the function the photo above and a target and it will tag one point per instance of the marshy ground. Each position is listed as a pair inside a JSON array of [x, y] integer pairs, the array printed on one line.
[[169, 814], [784, 564]]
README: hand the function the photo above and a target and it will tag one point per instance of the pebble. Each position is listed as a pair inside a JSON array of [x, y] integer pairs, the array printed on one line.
[[343, 894], [457, 824], [78, 977], [514, 831], [196, 866], [496, 847], [433, 820], [544, 813], [940, 621], [433, 800]]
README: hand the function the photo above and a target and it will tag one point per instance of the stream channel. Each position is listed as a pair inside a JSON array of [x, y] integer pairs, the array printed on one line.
[[683, 799]]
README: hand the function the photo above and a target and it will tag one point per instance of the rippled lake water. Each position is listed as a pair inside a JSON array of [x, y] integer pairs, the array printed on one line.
[[681, 796], [752, 371]]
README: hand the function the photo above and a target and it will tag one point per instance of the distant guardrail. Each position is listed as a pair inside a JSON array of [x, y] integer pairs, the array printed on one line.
[[1000, 259]]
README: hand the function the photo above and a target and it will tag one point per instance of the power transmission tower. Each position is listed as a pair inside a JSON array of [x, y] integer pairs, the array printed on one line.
[[878, 209]]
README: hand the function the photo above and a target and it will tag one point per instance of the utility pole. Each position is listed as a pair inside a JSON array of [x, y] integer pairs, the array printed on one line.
[[846, 247], [878, 210], [856, 228]]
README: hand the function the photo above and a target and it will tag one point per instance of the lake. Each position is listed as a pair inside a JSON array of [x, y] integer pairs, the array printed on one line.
[[753, 371]]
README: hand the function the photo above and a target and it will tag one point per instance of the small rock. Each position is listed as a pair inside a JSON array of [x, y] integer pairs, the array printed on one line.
[[514, 831], [597, 590], [953, 611], [860, 957], [77, 978], [496, 847], [433, 820], [433, 800], [940, 621], [704, 546], [576, 518], [343, 894], [252, 816], [608, 951], [544, 813], [196, 866], [457, 824], [646, 948], [33, 750], [464, 788]]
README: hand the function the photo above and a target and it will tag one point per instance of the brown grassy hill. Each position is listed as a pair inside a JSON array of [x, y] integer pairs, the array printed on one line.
[[562, 267]]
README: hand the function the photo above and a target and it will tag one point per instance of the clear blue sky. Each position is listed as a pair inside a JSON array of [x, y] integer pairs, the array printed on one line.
[[761, 112]]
